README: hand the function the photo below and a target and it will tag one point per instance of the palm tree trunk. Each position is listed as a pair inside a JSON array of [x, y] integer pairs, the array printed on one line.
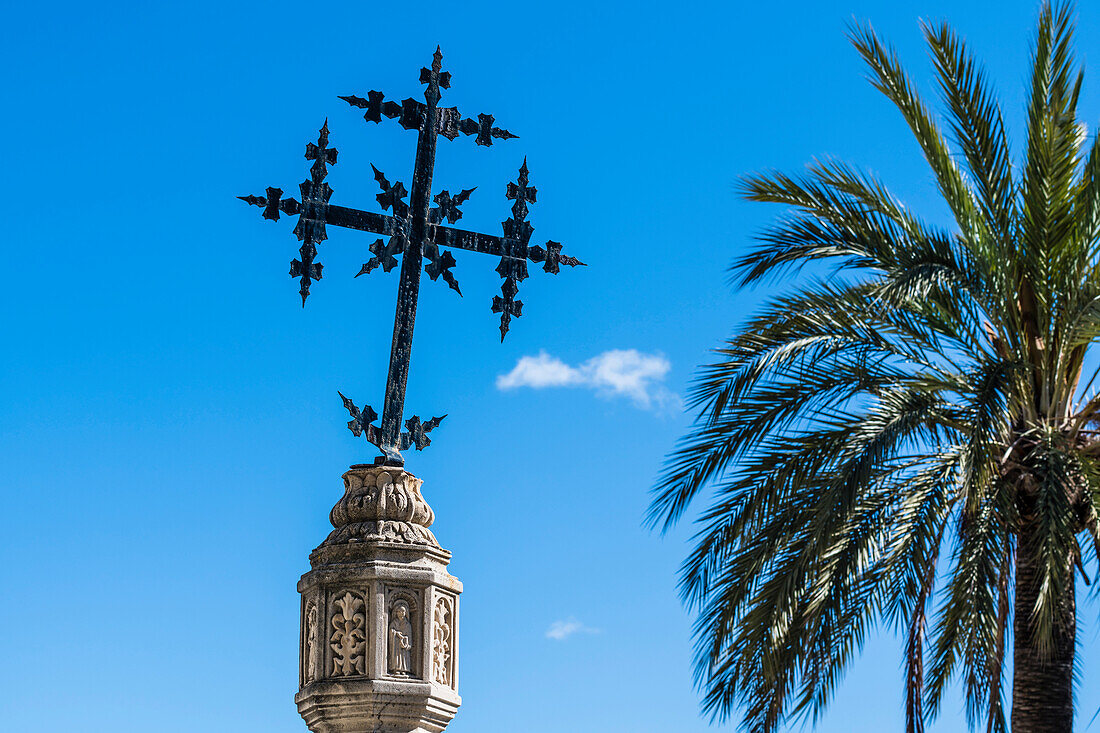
[[1042, 688]]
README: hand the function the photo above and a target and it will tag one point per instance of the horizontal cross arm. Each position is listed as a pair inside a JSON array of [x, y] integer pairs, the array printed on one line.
[[462, 239], [364, 221]]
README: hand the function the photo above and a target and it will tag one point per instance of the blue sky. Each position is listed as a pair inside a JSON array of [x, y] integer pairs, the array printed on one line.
[[171, 439]]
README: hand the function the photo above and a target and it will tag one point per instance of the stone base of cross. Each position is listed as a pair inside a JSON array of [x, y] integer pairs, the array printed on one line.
[[379, 623]]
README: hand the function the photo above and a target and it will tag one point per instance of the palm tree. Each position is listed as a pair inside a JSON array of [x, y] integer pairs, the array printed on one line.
[[905, 440]]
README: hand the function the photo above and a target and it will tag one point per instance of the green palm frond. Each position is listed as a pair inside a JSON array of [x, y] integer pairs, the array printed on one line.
[[888, 76], [979, 129]]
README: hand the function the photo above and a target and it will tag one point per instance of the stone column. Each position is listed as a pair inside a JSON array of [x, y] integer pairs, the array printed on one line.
[[379, 631]]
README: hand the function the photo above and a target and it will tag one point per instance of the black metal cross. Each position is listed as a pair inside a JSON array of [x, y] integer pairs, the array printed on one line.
[[416, 232]]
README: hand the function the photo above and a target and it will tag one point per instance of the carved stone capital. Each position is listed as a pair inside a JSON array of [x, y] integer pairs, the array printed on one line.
[[381, 504]]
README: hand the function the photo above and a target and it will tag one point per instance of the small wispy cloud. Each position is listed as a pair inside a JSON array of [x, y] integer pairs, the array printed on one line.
[[563, 629], [616, 373]]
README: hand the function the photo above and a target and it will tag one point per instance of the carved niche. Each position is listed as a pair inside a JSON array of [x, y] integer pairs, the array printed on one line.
[[442, 642], [349, 635], [400, 641], [402, 630]]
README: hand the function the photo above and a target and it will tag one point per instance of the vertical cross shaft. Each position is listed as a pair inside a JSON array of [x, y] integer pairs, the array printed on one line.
[[409, 287]]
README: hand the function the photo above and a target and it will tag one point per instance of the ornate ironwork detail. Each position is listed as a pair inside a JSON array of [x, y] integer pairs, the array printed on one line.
[[392, 197], [414, 230], [415, 434], [447, 205], [273, 203]]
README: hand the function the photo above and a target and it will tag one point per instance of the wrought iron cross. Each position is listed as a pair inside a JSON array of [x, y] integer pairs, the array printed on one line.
[[415, 232]]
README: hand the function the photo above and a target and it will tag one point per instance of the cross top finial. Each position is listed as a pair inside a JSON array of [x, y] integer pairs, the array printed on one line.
[[322, 155], [521, 193], [435, 78]]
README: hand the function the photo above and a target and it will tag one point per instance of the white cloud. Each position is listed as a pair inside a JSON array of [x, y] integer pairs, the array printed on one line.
[[540, 371], [562, 630], [615, 373]]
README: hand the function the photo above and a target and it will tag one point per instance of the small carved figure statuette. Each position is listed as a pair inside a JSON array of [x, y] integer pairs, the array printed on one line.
[[349, 636], [441, 642], [400, 657], [311, 643]]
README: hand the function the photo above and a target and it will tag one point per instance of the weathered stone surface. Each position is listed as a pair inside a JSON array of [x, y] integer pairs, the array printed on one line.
[[379, 646], [381, 504]]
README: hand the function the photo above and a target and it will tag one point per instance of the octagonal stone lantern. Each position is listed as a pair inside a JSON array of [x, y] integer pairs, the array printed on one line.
[[379, 619]]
